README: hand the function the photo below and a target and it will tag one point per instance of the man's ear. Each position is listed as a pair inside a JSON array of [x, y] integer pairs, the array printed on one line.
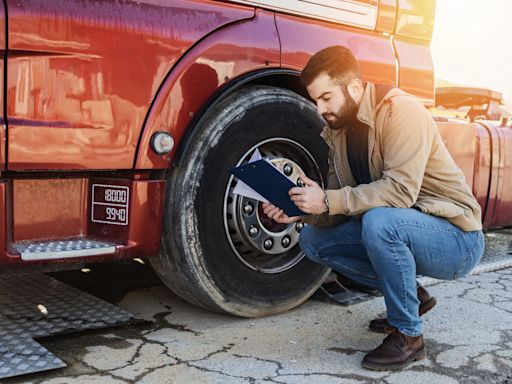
[[356, 89]]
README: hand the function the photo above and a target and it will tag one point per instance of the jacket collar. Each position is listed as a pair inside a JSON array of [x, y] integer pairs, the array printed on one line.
[[364, 114]]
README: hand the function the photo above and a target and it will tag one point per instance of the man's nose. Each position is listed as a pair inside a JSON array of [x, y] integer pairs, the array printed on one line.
[[320, 108]]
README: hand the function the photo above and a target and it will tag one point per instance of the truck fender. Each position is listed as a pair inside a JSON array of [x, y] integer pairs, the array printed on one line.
[[200, 74]]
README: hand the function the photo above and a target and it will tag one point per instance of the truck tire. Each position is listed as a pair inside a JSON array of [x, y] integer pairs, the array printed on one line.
[[219, 251]]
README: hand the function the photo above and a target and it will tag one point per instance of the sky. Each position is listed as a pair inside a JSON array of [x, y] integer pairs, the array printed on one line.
[[472, 43]]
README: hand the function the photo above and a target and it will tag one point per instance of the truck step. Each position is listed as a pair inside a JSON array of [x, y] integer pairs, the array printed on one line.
[[60, 249]]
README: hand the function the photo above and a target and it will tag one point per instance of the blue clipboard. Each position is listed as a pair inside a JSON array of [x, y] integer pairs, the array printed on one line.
[[269, 183]]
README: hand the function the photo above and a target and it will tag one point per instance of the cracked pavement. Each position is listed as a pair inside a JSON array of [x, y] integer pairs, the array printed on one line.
[[468, 337]]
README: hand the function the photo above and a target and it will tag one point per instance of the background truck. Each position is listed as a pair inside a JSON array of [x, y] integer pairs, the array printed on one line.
[[120, 121]]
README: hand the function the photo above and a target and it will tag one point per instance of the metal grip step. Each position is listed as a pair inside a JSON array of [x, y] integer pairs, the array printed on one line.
[[59, 249]]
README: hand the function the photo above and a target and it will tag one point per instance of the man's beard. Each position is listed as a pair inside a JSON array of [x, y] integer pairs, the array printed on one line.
[[345, 115]]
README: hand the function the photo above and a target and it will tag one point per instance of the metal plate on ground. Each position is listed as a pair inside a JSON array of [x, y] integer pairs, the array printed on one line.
[[340, 290], [498, 245], [37, 305]]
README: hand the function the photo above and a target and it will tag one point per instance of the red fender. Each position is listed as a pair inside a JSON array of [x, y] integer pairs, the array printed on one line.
[[233, 51]]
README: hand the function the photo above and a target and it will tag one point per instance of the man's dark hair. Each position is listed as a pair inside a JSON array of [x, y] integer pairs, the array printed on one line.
[[336, 61]]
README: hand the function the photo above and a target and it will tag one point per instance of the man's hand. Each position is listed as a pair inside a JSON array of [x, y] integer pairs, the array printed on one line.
[[278, 215], [310, 199]]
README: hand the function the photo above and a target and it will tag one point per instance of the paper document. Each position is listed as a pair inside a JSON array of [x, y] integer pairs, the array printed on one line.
[[243, 189]]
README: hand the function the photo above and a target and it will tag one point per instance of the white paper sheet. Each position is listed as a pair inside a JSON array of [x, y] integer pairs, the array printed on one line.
[[243, 189]]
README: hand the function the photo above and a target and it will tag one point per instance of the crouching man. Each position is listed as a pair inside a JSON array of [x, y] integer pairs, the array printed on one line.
[[396, 205]]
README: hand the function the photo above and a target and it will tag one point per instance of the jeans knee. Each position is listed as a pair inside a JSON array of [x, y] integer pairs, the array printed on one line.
[[375, 223], [307, 240]]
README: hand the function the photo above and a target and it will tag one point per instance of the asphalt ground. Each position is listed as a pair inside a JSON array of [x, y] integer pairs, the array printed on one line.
[[468, 337]]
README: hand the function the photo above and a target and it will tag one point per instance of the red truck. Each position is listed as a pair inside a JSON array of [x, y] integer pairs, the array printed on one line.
[[122, 119]]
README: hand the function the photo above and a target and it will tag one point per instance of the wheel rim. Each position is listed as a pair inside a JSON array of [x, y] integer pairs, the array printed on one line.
[[257, 241]]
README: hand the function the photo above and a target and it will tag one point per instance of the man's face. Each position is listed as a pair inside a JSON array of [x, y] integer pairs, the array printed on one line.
[[333, 101]]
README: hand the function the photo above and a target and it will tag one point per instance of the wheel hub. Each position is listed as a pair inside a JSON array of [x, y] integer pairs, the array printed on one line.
[[258, 241], [264, 234]]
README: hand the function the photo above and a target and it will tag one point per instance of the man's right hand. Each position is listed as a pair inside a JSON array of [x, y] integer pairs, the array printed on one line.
[[278, 215]]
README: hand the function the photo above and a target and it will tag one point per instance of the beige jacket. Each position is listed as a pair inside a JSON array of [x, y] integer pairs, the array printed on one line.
[[409, 166]]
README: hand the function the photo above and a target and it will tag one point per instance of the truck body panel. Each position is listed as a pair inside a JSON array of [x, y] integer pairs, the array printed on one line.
[[497, 212], [57, 209], [3, 132], [82, 75], [374, 52]]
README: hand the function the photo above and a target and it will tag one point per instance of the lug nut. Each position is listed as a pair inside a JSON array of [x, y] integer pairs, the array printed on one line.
[[299, 226], [253, 231], [267, 244], [288, 169], [248, 209], [285, 242]]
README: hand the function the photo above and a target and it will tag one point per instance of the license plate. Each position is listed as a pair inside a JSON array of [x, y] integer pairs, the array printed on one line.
[[110, 204]]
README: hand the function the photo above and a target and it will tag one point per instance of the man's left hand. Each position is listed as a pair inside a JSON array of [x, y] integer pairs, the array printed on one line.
[[310, 199]]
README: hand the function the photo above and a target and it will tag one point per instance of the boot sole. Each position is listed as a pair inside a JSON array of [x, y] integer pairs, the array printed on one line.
[[386, 330], [424, 309], [394, 367], [428, 306]]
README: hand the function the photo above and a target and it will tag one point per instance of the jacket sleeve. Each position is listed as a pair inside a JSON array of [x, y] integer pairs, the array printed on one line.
[[407, 139], [327, 219]]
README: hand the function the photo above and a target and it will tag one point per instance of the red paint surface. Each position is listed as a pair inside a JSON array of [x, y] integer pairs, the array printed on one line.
[[373, 51], [2, 66], [145, 216], [4, 217], [49, 208], [82, 74], [502, 212], [483, 166], [493, 159], [140, 238], [232, 52], [460, 139], [416, 70]]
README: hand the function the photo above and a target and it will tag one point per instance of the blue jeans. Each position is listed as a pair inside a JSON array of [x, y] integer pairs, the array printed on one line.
[[387, 248]]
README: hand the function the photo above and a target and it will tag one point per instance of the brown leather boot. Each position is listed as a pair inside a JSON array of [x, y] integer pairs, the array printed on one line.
[[427, 302], [396, 351]]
